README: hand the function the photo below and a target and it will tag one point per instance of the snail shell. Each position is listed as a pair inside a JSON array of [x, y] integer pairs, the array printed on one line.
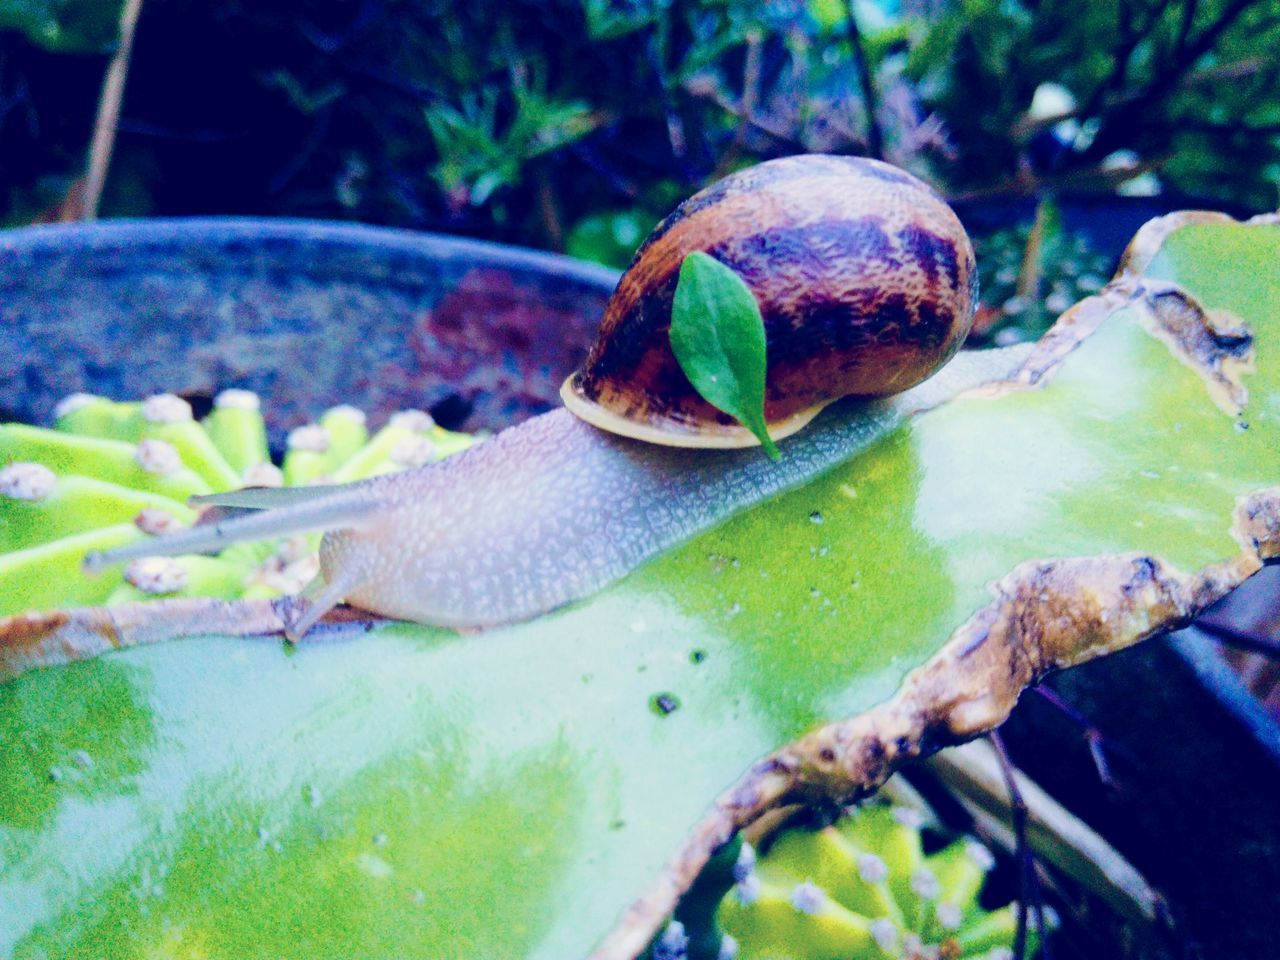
[[864, 276]]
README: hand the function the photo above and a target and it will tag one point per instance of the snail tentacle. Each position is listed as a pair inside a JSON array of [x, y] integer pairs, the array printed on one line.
[[343, 507]]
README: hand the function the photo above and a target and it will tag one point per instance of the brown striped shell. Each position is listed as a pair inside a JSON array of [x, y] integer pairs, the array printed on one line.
[[864, 276]]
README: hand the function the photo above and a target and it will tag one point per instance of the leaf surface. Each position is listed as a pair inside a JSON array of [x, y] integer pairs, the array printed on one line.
[[403, 791]]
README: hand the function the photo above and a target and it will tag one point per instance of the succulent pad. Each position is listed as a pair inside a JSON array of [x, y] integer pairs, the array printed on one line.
[[861, 888], [110, 473]]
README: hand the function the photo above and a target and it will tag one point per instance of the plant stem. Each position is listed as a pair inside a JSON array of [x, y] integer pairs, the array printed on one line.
[[1092, 735], [108, 118], [752, 65], [875, 138], [1018, 811], [1032, 254], [972, 773], [549, 210], [1235, 638]]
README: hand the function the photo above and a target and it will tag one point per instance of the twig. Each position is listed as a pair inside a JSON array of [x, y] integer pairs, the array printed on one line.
[[761, 124], [675, 126], [388, 80], [1094, 739], [1027, 126], [1189, 8], [1235, 638], [752, 65], [875, 137], [1189, 53], [328, 43], [1180, 62], [1033, 253], [1022, 853], [104, 125], [1057, 837], [1171, 69], [1207, 126], [1093, 178], [619, 181], [1131, 36], [549, 210], [294, 165]]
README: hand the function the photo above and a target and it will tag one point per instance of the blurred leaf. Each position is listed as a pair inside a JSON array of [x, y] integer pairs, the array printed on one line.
[[610, 19], [608, 238], [827, 14], [305, 100], [64, 26], [481, 153]]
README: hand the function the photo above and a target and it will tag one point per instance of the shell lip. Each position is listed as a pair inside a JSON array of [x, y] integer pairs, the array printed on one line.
[[669, 432]]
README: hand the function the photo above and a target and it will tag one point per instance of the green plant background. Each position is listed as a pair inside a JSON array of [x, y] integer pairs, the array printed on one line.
[[576, 123]]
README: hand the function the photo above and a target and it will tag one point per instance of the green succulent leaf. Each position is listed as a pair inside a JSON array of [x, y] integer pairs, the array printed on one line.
[[81, 487], [717, 335], [858, 889], [405, 791]]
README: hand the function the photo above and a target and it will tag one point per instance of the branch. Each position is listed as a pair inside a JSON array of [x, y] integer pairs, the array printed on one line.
[[1189, 8], [1187, 57], [751, 69], [1228, 129], [1130, 37], [675, 126], [1022, 852], [549, 210], [762, 124], [104, 125], [1091, 178], [875, 137], [1235, 69], [1172, 74], [1027, 126]]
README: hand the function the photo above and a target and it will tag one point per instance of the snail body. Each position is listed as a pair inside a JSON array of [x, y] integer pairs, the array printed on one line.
[[875, 287]]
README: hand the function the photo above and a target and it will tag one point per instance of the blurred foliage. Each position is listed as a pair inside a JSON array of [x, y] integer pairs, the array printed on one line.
[[1030, 274], [479, 154], [1188, 88], [575, 123], [63, 26]]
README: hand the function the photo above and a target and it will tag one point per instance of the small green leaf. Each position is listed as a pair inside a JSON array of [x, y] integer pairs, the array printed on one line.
[[717, 335]]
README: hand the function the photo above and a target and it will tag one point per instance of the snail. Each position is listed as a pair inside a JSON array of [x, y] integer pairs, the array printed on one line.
[[866, 283], [864, 276]]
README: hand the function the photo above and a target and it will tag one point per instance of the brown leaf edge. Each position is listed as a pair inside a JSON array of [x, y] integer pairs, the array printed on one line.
[[57, 637], [1217, 345], [1048, 614]]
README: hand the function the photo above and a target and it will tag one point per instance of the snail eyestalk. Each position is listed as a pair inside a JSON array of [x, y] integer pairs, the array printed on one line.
[[343, 510], [99, 482]]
